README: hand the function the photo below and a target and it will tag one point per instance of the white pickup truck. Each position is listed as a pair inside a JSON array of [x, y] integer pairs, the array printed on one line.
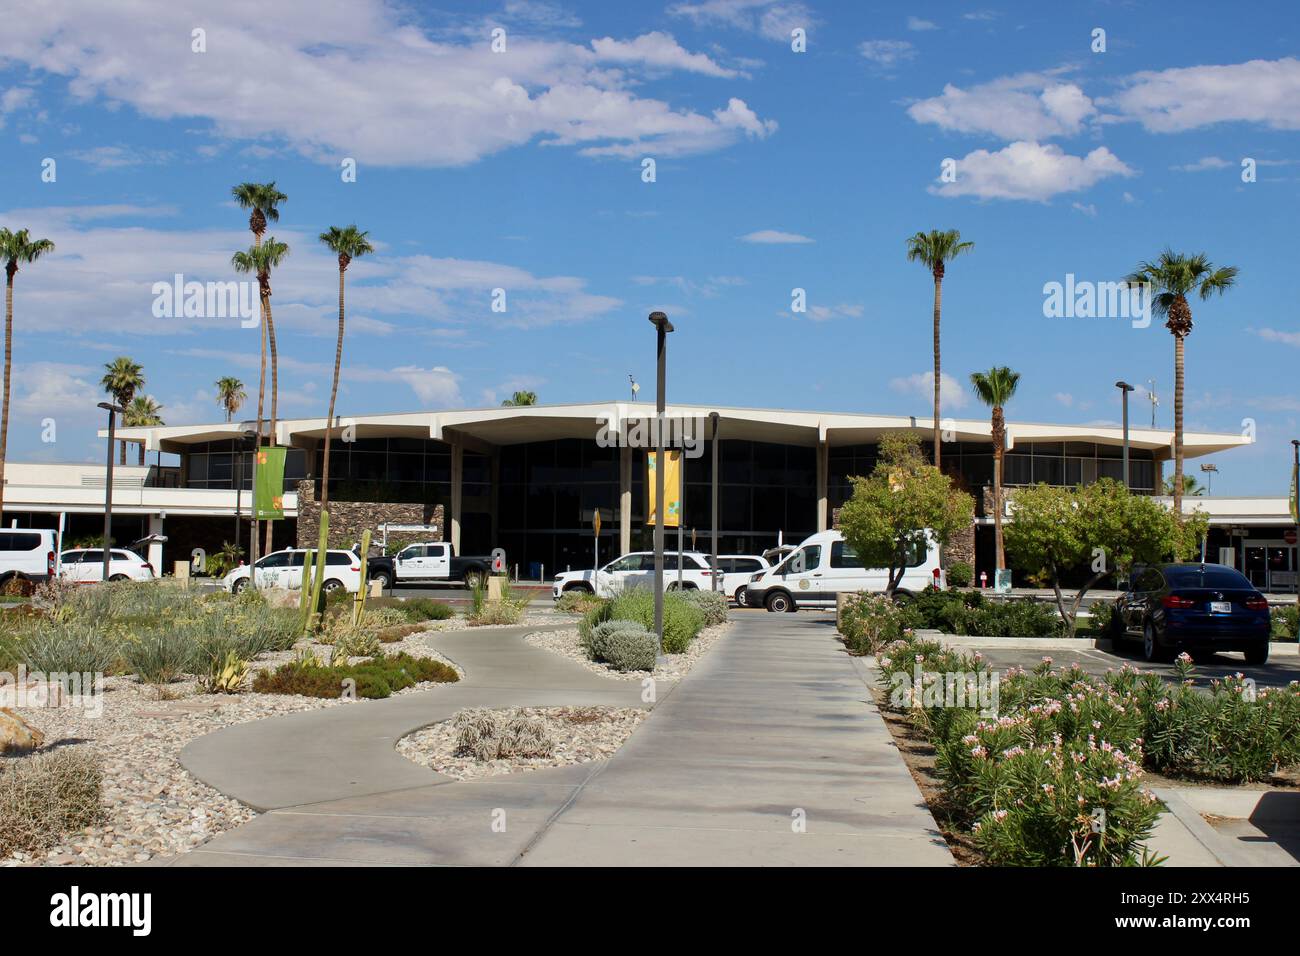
[[428, 561]]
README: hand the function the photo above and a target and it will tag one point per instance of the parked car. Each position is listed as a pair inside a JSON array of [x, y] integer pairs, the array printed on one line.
[[736, 570], [824, 565], [84, 565], [28, 554], [637, 569], [283, 570], [1197, 607], [430, 562]]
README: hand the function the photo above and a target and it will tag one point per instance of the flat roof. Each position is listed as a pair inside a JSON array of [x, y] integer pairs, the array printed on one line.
[[510, 425]]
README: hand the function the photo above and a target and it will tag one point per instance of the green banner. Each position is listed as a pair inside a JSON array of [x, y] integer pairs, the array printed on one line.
[[268, 495]]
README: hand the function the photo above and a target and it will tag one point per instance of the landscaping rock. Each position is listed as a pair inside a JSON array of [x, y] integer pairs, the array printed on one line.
[[17, 734]]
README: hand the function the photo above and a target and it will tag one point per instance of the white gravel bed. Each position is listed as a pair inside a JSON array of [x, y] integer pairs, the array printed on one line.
[[582, 734], [153, 806], [669, 666]]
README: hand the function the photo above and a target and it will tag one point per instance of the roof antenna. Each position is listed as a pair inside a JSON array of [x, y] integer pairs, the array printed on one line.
[[635, 387]]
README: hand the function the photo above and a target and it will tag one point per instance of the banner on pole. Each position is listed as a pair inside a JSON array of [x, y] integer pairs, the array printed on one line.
[[672, 489], [1295, 502], [268, 496]]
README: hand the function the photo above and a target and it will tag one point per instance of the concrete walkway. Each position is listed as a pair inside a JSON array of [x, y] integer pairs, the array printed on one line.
[[769, 752]]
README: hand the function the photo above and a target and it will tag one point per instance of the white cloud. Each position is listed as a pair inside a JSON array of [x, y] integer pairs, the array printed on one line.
[[440, 102], [658, 50], [887, 53], [921, 385], [917, 24], [774, 237], [1275, 335], [119, 157], [1088, 209], [14, 99], [1030, 171], [1170, 101], [772, 19], [1203, 164], [53, 389], [1025, 106], [437, 387], [1065, 398], [824, 313]]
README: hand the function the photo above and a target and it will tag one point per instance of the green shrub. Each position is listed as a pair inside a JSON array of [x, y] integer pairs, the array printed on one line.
[[870, 621], [426, 609], [376, 678], [1285, 619], [683, 620], [1027, 618], [597, 614], [631, 649], [960, 574], [46, 796], [595, 645], [70, 647], [712, 604], [159, 657], [576, 602]]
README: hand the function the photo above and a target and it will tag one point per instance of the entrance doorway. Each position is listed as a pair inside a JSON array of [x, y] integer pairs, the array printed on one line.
[[1270, 564]]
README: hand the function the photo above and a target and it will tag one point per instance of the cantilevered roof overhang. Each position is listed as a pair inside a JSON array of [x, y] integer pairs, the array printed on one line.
[[486, 428]]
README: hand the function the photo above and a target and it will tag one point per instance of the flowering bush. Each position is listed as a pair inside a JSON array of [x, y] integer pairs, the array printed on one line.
[[870, 621]]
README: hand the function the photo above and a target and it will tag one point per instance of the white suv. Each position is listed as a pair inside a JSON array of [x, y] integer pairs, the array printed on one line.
[[736, 570], [637, 570], [283, 570], [86, 565]]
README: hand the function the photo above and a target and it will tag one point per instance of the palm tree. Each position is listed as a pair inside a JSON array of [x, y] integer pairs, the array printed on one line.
[[1191, 487], [995, 388], [259, 260], [934, 250], [347, 243], [15, 247], [143, 412], [230, 395], [1171, 278], [521, 398], [123, 377], [263, 200]]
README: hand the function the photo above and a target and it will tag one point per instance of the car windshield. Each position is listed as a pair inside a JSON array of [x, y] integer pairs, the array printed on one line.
[[1205, 576]]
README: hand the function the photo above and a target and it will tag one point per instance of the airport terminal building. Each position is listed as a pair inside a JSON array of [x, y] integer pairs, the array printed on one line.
[[530, 479]]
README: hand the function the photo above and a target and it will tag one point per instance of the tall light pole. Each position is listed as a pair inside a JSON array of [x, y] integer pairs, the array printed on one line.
[[1125, 388], [113, 412], [713, 510], [1209, 469], [1295, 510], [660, 321]]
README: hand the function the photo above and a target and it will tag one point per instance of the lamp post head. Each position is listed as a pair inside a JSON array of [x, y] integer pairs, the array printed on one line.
[[1125, 386], [110, 407], [660, 321]]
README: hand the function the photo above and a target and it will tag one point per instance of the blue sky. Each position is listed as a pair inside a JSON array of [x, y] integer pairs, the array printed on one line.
[[774, 170]]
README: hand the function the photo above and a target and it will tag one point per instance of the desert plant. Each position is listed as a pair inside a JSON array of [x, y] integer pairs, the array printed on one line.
[[630, 649], [160, 657], [595, 644], [485, 735], [870, 621], [45, 796], [960, 574], [1285, 621], [683, 620], [227, 677], [712, 604], [375, 678], [74, 647]]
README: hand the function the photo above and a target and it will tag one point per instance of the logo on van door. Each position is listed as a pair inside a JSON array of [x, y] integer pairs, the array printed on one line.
[[804, 584]]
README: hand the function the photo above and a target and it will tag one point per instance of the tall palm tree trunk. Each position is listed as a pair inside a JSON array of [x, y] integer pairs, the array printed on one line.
[[1178, 427], [334, 390], [121, 423], [261, 398], [999, 445], [270, 336], [4, 406], [938, 299]]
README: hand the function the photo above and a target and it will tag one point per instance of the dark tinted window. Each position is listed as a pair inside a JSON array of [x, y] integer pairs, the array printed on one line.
[[842, 556], [19, 541], [335, 557], [72, 557], [1212, 576], [92, 557], [280, 560], [1150, 580]]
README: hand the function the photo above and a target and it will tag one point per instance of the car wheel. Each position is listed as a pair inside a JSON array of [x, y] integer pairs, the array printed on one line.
[[1257, 653], [332, 585], [902, 598], [779, 602], [114, 578], [1151, 649], [382, 577], [740, 597], [239, 586], [474, 579], [580, 588]]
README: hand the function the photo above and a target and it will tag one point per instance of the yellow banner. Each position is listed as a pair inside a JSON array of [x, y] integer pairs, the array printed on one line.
[[672, 489]]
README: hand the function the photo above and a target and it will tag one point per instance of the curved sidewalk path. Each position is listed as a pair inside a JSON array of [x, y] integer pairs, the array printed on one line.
[[774, 725]]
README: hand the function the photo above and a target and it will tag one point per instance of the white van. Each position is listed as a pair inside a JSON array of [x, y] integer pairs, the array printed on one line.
[[824, 566], [28, 554]]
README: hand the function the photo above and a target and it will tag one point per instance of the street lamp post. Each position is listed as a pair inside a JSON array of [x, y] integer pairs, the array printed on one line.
[[250, 434], [1125, 388], [713, 510], [1295, 477], [113, 412], [660, 321], [1209, 469]]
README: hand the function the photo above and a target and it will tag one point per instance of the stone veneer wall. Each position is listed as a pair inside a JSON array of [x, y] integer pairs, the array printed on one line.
[[349, 518]]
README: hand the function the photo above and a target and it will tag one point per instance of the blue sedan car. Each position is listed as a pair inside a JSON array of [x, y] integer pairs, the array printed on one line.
[[1195, 607]]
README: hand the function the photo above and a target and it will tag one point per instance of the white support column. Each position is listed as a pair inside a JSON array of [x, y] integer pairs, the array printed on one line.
[[624, 499], [156, 547], [823, 462], [494, 496], [457, 474]]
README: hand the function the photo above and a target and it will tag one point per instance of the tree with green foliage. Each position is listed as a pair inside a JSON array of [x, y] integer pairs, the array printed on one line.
[[520, 398], [934, 250], [144, 412], [887, 518], [1102, 527], [994, 388], [123, 377]]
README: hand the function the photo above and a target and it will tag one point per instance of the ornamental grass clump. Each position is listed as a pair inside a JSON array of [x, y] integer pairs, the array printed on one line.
[[486, 735], [46, 796]]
